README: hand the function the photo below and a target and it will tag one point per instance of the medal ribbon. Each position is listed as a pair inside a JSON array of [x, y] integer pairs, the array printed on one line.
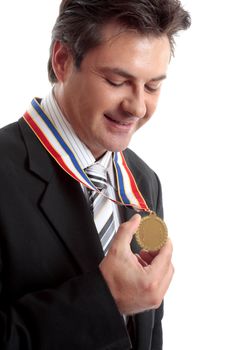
[[50, 138]]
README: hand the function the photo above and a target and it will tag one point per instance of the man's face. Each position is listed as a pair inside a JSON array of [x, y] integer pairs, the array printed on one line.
[[116, 89]]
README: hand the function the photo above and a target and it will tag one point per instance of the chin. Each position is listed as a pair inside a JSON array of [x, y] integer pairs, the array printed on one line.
[[117, 148]]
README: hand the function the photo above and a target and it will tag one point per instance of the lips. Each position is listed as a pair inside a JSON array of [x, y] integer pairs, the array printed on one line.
[[119, 122]]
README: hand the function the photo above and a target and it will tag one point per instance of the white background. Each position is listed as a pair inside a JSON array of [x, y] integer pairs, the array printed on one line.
[[188, 143]]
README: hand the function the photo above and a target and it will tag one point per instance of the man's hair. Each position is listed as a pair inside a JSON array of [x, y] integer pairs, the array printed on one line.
[[80, 22]]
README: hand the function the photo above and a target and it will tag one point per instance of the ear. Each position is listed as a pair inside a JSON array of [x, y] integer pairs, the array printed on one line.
[[61, 60]]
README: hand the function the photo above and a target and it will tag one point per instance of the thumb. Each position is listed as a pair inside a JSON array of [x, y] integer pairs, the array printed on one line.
[[127, 230]]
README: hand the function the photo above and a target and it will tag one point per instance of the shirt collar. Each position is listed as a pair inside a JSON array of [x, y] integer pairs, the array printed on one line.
[[81, 151]]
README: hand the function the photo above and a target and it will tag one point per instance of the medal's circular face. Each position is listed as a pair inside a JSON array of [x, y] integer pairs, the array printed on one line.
[[152, 233]]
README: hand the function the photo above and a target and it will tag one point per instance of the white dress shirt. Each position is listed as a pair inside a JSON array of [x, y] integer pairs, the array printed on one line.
[[81, 151]]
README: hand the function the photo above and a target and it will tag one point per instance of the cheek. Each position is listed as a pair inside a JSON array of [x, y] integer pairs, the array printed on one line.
[[151, 108], [101, 98], [143, 121]]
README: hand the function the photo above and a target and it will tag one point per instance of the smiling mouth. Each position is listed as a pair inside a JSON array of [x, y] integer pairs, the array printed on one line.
[[118, 122]]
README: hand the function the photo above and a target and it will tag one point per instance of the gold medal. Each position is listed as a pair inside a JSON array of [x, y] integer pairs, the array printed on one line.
[[152, 233]]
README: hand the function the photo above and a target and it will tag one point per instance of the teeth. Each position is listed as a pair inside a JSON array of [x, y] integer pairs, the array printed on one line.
[[118, 122]]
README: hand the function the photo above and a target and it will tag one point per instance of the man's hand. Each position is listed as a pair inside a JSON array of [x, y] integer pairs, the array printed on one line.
[[137, 283]]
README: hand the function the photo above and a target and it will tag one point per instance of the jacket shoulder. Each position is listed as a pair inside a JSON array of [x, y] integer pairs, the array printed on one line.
[[10, 137], [11, 141]]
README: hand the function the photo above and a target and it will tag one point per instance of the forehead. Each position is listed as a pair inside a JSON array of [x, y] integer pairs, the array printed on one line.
[[127, 49]]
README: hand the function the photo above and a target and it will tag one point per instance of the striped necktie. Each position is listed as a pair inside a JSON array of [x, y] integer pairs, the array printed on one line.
[[101, 206]]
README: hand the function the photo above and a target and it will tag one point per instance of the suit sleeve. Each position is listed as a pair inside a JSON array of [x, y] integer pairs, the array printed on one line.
[[157, 333], [79, 314]]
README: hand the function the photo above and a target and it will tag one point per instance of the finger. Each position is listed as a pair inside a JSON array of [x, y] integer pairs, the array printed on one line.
[[164, 284], [126, 231], [149, 256], [160, 264], [164, 254]]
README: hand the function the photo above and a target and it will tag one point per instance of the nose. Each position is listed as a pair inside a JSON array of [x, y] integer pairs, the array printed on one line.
[[135, 104]]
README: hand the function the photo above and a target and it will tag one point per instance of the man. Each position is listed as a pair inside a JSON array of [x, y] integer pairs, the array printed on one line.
[[73, 277]]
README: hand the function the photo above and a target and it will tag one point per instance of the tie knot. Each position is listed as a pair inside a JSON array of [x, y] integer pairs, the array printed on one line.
[[98, 175]]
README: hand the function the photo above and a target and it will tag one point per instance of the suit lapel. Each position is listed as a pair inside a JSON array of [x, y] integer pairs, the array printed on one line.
[[64, 205], [67, 210]]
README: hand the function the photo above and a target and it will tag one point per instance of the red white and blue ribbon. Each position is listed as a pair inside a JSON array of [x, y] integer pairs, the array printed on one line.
[[127, 187], [50, 138]]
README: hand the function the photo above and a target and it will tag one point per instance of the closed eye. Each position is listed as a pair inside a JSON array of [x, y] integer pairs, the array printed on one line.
[[154, 89], [147, 87], [114, 84]]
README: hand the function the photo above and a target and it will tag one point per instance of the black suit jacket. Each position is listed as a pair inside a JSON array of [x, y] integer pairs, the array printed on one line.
[[52, 294]]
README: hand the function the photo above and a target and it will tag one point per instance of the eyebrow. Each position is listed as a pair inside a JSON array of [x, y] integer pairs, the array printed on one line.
[[127, 75]]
